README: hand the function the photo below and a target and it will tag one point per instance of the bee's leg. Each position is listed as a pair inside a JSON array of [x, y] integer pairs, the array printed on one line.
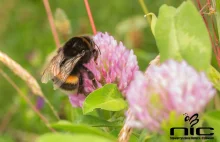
[[90, 76], [81, 88]]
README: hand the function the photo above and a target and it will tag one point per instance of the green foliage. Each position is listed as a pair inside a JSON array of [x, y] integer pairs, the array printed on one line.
[[80, 129], [165, 34], [214, 76], [213, 119], [181, 34], [51, 137], [107, 98], [173, 121], [153, 22], [143, 136], [5, 138], [97, 121]]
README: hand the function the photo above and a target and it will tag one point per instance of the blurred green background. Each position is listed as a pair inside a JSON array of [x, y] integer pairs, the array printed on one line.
[[26, 37]]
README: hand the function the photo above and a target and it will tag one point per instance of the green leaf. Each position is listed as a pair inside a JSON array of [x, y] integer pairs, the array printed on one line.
[[108, 98], [214, 77], [57, 137], [153, 22], [80, 129], [213, 119], [193, 37], [165, 34], [97, 122], [143, 136], [133, 138], [182, 34]]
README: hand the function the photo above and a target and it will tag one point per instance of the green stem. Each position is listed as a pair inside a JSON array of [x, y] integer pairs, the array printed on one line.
[[51, 107], [144, 7]]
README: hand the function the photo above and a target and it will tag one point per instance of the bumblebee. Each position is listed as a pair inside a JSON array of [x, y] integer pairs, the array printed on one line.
[[66, 68]]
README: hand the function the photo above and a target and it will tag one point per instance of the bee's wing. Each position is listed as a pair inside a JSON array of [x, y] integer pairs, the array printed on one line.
[[66, 69], [53, 68]]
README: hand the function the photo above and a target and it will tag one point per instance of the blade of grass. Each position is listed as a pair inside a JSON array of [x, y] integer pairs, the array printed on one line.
[[8, 116], [24, 75], [46, 122], [126, 130], [52, 24]]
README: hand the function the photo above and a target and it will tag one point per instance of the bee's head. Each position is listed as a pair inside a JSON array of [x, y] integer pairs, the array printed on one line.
[[74, 46], [78, 45]]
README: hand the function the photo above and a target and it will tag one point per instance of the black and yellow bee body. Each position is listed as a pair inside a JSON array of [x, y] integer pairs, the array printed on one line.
[[71, 82], [66, 68]]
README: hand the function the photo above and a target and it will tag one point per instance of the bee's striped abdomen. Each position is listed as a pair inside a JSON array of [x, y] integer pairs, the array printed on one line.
[[69, 87], [72, 79], [70, 84]]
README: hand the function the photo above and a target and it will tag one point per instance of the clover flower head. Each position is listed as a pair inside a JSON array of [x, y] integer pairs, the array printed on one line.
[[115, 64], [172, 86]]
